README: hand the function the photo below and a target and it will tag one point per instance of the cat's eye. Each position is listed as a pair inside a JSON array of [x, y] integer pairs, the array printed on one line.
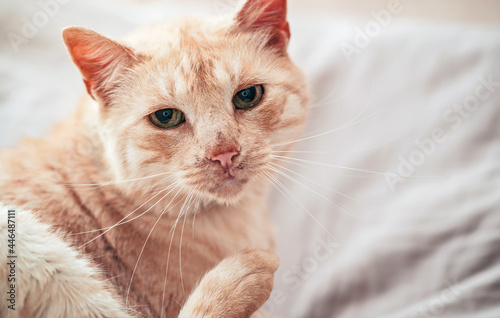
[[167, 118], [248, 97]]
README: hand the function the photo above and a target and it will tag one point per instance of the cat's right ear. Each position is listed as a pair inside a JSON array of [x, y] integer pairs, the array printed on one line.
[[267, 15], [100, 60]]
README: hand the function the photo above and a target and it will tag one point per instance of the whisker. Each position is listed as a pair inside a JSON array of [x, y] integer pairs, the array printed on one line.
[[180, 249], [267, 178], [340, 151], [348, 124], [144, 246], [109, 229], [333, 204], [114, 181], [326, 132], [139, 257], [198, 204], [312, 181], [120, 222], [169, 250], [298, 202], [322, 164], [180, 242], [316, 166]]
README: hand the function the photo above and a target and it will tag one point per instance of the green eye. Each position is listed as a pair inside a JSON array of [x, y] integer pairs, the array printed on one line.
[[167, 118], [248, 97]]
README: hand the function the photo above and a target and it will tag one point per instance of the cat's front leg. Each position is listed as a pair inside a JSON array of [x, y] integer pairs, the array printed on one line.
[[236, 288], [43, 276]]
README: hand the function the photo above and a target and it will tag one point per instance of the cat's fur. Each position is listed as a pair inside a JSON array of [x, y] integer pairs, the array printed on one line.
[[212, 232]]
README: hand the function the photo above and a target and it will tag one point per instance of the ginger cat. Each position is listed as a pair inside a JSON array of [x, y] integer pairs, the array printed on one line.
[[150, 200]]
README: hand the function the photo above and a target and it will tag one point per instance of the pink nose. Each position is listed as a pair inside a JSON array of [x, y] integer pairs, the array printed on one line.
[[225, 159]]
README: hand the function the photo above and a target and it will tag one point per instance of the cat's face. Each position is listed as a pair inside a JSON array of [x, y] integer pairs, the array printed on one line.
[[201, 101]]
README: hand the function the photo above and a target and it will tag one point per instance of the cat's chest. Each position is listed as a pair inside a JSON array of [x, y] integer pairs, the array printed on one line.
[[152, 265], [156, 266]]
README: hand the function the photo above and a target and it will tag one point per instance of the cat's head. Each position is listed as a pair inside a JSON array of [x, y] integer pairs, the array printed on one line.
[[203, 102]]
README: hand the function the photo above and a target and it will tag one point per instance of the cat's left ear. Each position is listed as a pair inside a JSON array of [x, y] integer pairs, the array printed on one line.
[[266, 15], [100, 60]]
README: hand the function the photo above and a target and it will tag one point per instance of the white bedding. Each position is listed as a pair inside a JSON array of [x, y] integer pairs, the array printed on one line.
[[412, 227]]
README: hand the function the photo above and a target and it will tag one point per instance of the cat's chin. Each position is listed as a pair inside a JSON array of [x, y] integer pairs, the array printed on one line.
[[229, 190]]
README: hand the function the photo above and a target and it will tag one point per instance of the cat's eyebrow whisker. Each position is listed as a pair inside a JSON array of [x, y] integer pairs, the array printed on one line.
[[144, 245], [312, 181], [130, 220], [331, 203], [290, 195]]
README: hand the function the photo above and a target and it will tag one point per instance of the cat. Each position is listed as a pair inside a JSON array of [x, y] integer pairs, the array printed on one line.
[[150, 200]]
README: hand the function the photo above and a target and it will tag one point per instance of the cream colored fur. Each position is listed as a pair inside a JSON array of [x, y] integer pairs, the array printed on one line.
[[51, 278]]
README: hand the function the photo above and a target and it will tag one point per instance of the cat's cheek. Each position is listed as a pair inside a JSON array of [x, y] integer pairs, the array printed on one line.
[[293, 111]]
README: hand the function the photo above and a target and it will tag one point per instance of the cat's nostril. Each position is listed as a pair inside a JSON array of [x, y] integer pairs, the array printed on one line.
[[225, 159]]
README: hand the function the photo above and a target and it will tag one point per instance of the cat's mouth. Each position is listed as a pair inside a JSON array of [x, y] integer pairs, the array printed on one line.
[[227, 185], [222, 182]]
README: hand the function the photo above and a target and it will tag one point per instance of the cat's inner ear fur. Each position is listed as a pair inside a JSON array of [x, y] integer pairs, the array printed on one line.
[[100, 60], [268, 16]]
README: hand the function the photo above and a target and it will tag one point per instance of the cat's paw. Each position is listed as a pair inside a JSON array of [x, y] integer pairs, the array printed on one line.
[[237, 287], [253, 272]]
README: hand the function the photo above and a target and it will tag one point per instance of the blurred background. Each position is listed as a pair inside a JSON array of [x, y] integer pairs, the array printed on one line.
[[390, 207]]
